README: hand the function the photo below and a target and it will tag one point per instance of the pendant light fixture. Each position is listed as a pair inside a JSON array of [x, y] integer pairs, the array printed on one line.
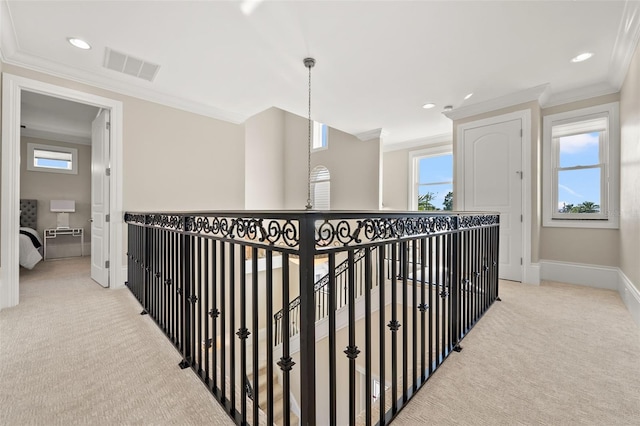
[[309, 63]]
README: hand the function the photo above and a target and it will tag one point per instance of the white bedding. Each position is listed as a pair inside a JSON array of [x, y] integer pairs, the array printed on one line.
[[29, 255]]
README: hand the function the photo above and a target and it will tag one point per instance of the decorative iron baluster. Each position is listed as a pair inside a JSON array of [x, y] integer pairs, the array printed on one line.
[[183, 270]]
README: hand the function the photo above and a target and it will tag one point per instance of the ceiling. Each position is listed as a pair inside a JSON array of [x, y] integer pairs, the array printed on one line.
[[50, 118], [378, 62]]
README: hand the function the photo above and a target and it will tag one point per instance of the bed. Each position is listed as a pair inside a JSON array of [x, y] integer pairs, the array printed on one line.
[[30, 242]]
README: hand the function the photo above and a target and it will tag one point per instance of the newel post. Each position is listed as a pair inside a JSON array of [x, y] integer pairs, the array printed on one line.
[[145, 259], [307, 321], [455, 289]]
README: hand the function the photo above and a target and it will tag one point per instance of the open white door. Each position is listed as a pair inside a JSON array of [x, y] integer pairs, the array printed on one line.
[[100, 198], [493, 182]]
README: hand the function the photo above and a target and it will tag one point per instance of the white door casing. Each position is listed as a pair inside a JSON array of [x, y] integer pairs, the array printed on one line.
[[493, 167], [12, 87], [99, 199], [529, 271]]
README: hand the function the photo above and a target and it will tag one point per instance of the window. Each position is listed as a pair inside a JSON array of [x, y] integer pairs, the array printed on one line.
[[320, 188], [320, 136], [432, 183], [580, 166], [50, 158]]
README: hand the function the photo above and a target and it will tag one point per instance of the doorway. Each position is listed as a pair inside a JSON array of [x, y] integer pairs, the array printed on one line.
[[13, 88], [493, 174]]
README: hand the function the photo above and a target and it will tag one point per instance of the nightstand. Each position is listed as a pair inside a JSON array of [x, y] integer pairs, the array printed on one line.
[[53, 233]]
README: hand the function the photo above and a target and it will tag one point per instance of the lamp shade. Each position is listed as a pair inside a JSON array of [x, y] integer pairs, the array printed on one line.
[[63, 206]]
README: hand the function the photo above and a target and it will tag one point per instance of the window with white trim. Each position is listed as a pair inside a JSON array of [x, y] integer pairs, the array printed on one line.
[[320, 188], [320, 136], [431, 186], [52, 158], [580, 168]]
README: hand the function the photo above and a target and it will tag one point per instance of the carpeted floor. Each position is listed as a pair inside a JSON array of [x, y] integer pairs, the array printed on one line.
[[75, 353], [554, 354]]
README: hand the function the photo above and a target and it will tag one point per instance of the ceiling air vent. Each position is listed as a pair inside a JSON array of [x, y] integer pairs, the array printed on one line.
[[124, 63]]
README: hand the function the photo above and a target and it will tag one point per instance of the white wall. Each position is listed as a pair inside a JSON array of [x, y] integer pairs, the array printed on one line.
[[264, 161], [630, 173], [355, 171], [295, 162], [1, 69], [177, 160], [354, 166], [395, 194], [172, 159]]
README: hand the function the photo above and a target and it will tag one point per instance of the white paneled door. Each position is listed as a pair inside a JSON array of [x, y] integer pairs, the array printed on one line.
[[492, 161], [100, 199]]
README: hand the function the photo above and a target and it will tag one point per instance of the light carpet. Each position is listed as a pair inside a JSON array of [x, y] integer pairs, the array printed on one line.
[[74, 353], [554, 354]]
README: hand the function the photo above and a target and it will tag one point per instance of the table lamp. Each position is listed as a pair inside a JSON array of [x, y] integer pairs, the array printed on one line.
[[63, 208]]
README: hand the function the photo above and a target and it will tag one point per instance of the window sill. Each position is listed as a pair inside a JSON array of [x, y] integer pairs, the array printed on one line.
[[577, 223]]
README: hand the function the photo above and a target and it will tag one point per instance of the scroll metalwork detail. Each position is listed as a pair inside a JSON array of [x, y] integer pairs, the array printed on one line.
[[346, 233], [269, 232], [332, 231], [478, 220]]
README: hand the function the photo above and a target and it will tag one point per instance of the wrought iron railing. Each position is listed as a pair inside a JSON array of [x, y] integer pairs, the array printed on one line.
[[199, 276], [321, 292]]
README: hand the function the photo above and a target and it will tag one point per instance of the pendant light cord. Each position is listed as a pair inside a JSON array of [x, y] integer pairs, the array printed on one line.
[[309, 63]]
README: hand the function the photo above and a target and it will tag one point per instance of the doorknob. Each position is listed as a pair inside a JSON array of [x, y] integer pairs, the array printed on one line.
[[91, 220]]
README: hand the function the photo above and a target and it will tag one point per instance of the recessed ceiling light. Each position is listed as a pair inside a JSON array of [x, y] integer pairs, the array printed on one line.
[[582, 57], [468, 96], [428, 105], [248, 6], [448, 108], [79, 43]]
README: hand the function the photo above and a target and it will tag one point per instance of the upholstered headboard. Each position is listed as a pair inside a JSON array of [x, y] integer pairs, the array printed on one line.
[[29, 213]]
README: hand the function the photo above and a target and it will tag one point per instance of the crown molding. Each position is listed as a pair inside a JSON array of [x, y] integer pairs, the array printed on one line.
[[625, 45], [441, 139], [511, 99], [11, 54], [579, 94], [372, 134], [8, 39], [516, 98]]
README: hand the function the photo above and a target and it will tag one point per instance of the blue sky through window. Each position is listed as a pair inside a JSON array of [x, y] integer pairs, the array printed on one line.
[[53, 164], [320, 135], [579, 185], [436, 176]]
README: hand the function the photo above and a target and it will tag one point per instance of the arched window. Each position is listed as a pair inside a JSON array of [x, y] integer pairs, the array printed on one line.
[[320, 188]]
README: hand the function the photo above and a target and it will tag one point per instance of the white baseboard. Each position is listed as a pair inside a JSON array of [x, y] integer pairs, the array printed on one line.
[[577, 273], [606, 277], [630, 296], [531, 274], [2, 302], [117, 280]]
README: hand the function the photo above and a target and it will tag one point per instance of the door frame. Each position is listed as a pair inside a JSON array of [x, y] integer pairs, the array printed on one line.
[[12, 87], [99, 180], [530, 272]]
